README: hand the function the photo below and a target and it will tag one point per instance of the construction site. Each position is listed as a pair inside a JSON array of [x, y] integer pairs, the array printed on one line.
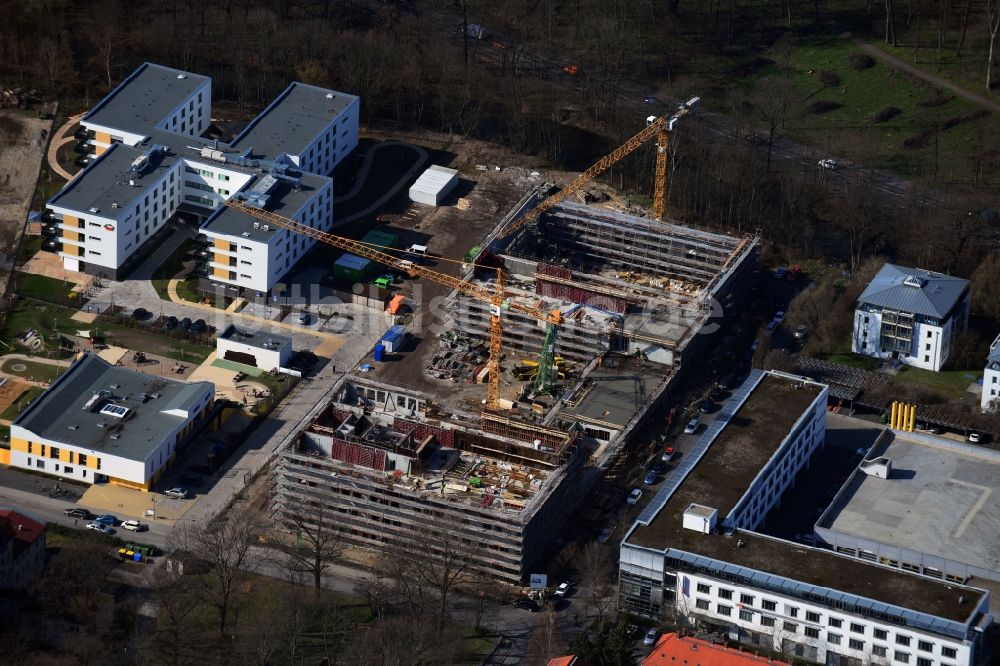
[[560, 335]]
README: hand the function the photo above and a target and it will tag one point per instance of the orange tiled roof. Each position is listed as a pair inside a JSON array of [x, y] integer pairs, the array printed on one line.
[[674, 650]]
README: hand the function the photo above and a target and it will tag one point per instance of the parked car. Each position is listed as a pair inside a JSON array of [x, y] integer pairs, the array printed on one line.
[[779, 316], [650, 478], [800, 332], [184, 324], [650, 638], [975, 437], [199, 326], [668, 454], [692, 426], [706, 406], [106, 519], [633, 497], [562, 590], [650, 100], [77, 512], [717, 394], [100, 527], [526, 604], [780, 273], [604, 535], [771, 325], [133, 526], [176, 493]]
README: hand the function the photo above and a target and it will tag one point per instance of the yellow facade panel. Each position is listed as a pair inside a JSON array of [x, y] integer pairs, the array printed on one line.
[[18, 444]]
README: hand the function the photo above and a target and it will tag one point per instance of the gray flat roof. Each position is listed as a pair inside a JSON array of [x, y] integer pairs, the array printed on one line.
[[285, 200], [145, 98], [258, 339], [616, 394], [938, 500], [722, 476], [59, 413], [105, 181], [914, 290], [291, 121]]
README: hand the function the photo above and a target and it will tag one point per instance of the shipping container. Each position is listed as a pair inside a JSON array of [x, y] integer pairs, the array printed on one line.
[[434, 185]]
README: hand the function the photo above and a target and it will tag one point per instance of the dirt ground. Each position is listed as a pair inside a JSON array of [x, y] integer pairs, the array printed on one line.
[[11, 390], [22, 145]]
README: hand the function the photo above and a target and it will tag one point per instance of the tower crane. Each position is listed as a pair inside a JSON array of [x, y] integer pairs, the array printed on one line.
[[497, 298], [656, 126]]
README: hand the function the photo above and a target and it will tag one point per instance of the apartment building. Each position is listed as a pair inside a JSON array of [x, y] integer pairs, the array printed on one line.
[[103, 423], [693, 552], [22, 549], [911, 315], [152, 163], [991, 378]]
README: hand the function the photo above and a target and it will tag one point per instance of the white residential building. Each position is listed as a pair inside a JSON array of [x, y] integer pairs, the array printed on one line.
[[152, 163], [911, 315], [98, 422], [694, 553], [266, 351], [991, 377]]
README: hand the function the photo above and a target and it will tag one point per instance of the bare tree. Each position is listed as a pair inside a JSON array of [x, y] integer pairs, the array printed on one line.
[[596, 566], [771, 101], [984, 284], [226, 547], [318, 544], [74, 582], [546, 640], [993, 26], [175, 638]]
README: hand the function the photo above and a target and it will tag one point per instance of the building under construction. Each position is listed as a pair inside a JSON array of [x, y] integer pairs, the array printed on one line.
[[398, 466]]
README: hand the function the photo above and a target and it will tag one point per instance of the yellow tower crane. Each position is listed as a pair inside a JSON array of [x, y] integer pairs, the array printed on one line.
[[656, 126], [497, 298]]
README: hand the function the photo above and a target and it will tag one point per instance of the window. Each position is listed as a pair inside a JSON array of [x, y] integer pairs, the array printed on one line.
[[812, 632], [812, 617], [746, 615], [833, 639], [880, 634], [81, 459], [929, 335], [879, 650], [702, 604], [948, 652], [791, 611], [927, 347], [67, 470], [902, 640], [902, 657], [925, 646], [724, 610], [746, 599], [31, 446], [223, 176], [790, 627], [53, 452], [927, 358], [855, 644], [704, 589], [923, 661], [767, 621], [725, 594], [40, 464], [857, 628]]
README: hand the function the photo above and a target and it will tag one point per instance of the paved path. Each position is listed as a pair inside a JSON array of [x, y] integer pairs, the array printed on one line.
[[927, 76], [57, 142]]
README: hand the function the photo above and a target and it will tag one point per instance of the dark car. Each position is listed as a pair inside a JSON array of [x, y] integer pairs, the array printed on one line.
[[706, 406], [199, 326], [527, 604], [77, 512], [185, 324], [717, 394], [106, 519], [170, 323], [140, 313]]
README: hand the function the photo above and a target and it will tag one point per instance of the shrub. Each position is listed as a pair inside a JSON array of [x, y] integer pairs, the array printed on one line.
[[860, 61], [828, 78], [884, 114], [822, 106]]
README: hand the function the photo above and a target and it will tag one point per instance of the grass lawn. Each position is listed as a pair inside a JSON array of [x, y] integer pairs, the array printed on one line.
[[171, 266], [847, 130], [41, 372], [29, 246], [952, 383], [42, 288], [188, 290], [23, 401], [842, 354], [47, 318]]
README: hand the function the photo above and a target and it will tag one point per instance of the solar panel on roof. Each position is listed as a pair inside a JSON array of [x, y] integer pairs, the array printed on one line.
[[118, 411]]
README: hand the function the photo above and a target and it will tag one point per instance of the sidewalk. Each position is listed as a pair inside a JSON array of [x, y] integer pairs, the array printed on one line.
[[58, 141]]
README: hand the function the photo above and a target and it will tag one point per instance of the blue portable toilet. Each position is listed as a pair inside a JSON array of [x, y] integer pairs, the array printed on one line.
[[379, 352]]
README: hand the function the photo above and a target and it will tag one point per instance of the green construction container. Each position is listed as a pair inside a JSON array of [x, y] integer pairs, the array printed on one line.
[[380, 238], [353, 268]]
